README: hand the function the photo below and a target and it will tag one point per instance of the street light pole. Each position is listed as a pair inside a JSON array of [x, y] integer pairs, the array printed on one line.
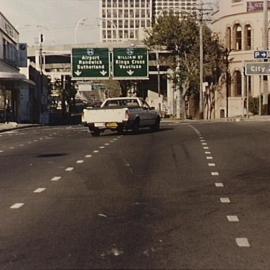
[[265, 47], [201, 68]]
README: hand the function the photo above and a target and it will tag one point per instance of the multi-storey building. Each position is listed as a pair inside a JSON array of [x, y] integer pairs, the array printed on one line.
[[239, 25], [123, 20], [175, 6]]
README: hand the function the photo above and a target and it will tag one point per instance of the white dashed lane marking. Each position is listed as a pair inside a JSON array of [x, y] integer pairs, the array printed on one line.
[[242, 242], [101, 147], [209, 157], [69, 169], [205, 147], [16, 205], [207, 153], [39, 190], [88, 156], [95, 151], [106, 144], [215, 173], [211, 164], [204, 143], [80, 161], [225, 200], [1, 151], [219, 185], [56, 178], [233, 218]]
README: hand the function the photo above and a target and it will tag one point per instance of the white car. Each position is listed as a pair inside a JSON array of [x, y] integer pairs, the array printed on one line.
[[119, 114]]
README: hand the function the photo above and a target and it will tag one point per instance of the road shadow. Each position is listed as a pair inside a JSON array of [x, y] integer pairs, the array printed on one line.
[[140, 132]]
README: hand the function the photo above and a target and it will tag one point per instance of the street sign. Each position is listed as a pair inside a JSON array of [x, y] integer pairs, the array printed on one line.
[[130, 64], [258, 68], [90, 63], [261, 54]]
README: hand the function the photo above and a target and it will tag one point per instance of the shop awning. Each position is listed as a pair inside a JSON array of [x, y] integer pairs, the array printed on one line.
[[15, 76]]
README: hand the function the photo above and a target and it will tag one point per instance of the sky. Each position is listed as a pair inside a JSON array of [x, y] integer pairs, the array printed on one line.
[[60, 21]]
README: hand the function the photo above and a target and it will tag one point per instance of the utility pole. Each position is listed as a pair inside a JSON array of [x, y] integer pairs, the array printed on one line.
[[202, 11], [41, 74], [265, 47], [158, 70]]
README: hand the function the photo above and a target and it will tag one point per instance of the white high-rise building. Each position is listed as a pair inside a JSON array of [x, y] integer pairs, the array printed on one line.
[[123, 20], [175, 6]]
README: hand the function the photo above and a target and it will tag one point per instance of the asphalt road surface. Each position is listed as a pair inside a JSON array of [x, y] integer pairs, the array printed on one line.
[[191, 196]]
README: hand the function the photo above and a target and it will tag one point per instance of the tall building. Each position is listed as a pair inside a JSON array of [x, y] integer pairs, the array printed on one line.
[[123, 20], [175, 6]]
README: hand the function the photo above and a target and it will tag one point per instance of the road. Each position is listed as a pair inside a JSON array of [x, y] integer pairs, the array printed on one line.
[[191, 196]]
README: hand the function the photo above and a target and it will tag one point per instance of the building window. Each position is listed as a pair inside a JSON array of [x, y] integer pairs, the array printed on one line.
[[229, 38], [238, 37], [237, 83], [248, 35]]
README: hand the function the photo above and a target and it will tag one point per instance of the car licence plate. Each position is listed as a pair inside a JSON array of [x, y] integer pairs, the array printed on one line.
[[112, 125]]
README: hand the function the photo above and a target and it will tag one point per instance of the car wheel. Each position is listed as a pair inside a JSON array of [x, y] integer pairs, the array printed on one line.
[[156, 126], [136, 126]]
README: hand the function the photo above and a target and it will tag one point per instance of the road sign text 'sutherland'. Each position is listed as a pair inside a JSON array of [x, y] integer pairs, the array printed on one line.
[[130, 64], [93, 63]]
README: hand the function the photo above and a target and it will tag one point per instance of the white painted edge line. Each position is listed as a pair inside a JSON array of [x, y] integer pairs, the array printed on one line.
[[39, 190], [80, 161], [219, 185], [209, 157], [225, 200], [56, 178], [233, 218], [242, 242], [205, 147], [95, 151], [88, 156], [16, 205], [215, 173], [69, 169], [211, 164]]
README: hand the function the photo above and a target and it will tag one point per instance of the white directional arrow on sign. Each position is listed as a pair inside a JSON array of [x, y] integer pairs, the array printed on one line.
[[103, 72], [130, 72], [78, 73]]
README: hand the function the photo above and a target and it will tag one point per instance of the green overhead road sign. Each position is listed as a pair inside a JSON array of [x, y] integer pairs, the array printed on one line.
[[90, 63], [130, 64], [257, 68]]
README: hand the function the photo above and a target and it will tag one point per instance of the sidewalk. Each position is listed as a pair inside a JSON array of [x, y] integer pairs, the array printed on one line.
[[13, 125]]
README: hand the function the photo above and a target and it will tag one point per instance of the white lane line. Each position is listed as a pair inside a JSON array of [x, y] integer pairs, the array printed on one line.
[[56, 178], [16, 205], [207, 153], [211, 164], [242, 242], [225, 200], [88, 156], [106, 144], [80, 161], [39, 190], [69, 169], [204, 143], [102, 147], [95, 151], [209, 157], [215, 173], [219, 185], [233, 218], [205, 147]]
